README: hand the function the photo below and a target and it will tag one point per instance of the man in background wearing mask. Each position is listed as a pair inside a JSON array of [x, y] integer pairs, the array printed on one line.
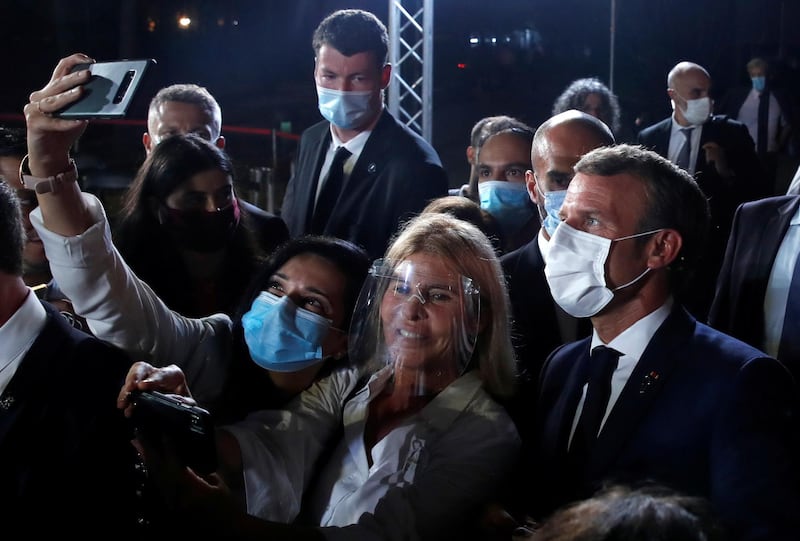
[[501, 160], [720, 154], [539, 325], [767, 114], [653, 394], [359, 173]]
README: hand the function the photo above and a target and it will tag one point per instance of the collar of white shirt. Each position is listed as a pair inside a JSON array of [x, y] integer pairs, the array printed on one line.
[[18, 334]]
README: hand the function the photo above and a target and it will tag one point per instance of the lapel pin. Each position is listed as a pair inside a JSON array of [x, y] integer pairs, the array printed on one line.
[[648, 382], [6, 402], [371, 168]]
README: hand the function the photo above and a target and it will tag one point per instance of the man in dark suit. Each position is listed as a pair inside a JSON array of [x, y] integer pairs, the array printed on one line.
[[653, 394], [66, 462], [359, 173], [767, 113], [755, 287], [719, 152], [538, 324]]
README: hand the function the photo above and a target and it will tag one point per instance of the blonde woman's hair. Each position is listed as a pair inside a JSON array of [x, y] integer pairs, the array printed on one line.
[[469, 252]]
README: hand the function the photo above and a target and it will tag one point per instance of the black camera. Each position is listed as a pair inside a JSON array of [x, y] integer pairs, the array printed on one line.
[[189, 428]]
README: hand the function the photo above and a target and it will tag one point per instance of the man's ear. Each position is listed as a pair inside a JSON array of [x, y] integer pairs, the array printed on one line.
[[147, 143], [530, 184], [664, 248], [471, 155], [386, 76]]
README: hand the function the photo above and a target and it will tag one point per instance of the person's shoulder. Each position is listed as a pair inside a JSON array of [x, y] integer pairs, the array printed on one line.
[[769, 204], [653, 128], [726, 123], [714, 346], [404, 140]]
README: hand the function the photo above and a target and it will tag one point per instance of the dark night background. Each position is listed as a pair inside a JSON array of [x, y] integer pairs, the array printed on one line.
[[255, 56]]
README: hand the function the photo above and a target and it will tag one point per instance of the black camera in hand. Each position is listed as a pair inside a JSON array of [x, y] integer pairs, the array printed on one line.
[[189, 428]]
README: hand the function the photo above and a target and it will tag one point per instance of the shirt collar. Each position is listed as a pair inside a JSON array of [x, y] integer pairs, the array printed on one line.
[[354, 145], [19, 332], [796, 218], [633, 340]]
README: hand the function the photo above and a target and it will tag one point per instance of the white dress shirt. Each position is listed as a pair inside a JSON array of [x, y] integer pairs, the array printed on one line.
[[748, 115], [17, 336], [780, 278], [354, 145], [677, 140], [631, 343]]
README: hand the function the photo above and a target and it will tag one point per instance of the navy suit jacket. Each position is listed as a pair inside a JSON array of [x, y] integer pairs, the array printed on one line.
[[702, 412], [757, 233], [66, 462], [396, 175]]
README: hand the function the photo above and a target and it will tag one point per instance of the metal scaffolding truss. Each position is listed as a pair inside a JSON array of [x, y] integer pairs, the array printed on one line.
[[410, 97]]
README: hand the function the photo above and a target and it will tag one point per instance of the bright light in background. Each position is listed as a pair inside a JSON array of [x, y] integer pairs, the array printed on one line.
[[184, 21], [474, 41]]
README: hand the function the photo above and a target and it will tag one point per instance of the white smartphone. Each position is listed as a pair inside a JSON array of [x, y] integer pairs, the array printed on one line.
[[110, 91]]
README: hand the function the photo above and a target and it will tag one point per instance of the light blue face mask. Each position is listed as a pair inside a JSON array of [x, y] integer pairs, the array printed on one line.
[[344, 109], [508, 202], [282, 337], [552, 204], [759, 83]]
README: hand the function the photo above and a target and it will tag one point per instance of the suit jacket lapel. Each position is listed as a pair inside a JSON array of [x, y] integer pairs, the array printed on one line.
[[563, 412], [31, 374], [643, 387], [369, 161], [322, 144], [768, 244]]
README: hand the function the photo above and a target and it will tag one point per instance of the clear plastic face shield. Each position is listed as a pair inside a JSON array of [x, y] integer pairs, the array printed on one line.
[[418, 317]]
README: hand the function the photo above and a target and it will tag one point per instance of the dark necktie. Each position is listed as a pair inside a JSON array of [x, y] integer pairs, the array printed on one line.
[[598, 372], [789, 349], [330, 191], [686, 149], [763, 119]]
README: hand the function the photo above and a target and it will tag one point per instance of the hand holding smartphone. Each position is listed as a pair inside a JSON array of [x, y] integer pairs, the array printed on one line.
[[110, 91]]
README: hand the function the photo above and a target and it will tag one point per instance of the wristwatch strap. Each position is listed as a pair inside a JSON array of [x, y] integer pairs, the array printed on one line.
[[47, 184]]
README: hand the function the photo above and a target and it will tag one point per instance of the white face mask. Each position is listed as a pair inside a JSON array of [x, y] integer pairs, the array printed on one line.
[[575, 270], [697, 111], [346, 109]]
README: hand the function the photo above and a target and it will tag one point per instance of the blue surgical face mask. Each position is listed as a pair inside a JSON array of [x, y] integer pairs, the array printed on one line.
[[282, 337], [552, 205], [759, 83], [508, 202], [346, 109]]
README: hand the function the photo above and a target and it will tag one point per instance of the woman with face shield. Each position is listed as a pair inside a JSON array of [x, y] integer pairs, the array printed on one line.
[[405, 444]]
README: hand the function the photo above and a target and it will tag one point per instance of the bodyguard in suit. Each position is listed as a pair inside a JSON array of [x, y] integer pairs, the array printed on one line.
[[653, 394], [719, 152], [359, 173], [757, 298], [66, 462], [538, 324]]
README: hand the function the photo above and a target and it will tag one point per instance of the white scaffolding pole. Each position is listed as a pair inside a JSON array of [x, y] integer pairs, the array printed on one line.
[[410, 97]]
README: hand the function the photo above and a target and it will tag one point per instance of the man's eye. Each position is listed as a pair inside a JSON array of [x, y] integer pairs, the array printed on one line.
[[274, 286]]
